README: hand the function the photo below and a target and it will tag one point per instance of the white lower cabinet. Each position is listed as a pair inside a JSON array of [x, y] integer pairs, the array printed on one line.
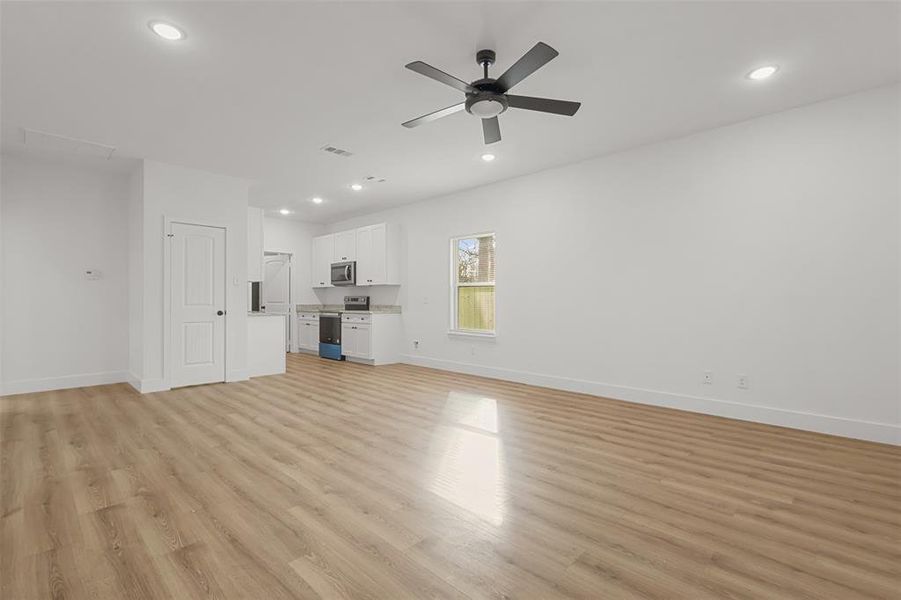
[[308, 331], [356, 340], [371, 338]]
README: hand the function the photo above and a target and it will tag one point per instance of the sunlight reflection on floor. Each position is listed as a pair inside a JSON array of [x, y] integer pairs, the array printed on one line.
[[470, 469]]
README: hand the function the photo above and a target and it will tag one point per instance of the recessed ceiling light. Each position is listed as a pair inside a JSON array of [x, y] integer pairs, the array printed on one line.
[[317, 200], [762, 72], [487, 157], [166, 31], [285, 211], [356, 187]]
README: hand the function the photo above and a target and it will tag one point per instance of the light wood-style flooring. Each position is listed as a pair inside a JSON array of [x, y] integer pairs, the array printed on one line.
[[347, 481]]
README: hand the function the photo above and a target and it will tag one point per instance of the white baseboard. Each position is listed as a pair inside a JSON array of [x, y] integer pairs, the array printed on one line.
[[147, 386], [46, 384], [863, 430], [134, 381], [237, 375]]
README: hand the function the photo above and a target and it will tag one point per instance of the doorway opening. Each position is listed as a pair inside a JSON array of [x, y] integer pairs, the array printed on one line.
[[276, 297]]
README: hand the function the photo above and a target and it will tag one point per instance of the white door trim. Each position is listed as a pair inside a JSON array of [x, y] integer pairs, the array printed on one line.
[[167, 290]]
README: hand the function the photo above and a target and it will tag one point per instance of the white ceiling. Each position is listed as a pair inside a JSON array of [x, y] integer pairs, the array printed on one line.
[[257, 88]]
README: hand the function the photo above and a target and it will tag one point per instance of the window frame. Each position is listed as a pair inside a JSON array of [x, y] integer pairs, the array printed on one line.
[[454, 330]]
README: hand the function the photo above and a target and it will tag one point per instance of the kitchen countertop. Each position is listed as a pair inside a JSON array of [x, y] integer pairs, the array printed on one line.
[[250, 313], [375, 309]]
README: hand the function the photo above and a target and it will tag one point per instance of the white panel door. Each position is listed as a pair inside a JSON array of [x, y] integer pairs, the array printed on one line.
[[276, 293], [198, 304]]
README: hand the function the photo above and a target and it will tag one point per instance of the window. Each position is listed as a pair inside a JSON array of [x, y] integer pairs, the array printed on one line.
[[472, 284]]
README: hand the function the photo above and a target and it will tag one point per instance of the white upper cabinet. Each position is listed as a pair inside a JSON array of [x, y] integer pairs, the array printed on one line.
[[375, 248], [376, 256], [323, 253], [345, 246], [254, 243], [364, 261]]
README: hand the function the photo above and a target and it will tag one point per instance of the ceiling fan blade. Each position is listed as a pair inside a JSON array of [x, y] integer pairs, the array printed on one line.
[[434, 116], [548, 105], [491, 128], [439, 75], [531, 61]]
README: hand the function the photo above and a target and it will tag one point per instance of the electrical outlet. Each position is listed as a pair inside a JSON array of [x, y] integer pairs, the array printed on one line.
[[708, 377], [742, 382], [472, 349]]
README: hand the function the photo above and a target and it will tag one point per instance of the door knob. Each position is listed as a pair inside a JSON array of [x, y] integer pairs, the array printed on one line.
[[220, 313]]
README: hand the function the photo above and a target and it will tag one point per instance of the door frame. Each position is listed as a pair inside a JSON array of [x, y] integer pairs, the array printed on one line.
[[167, 292]]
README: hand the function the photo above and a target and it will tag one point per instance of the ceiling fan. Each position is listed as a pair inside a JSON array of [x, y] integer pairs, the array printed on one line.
[[486, 98]]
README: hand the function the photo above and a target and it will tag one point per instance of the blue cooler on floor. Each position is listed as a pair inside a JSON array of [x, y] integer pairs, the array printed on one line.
[[330, 336]]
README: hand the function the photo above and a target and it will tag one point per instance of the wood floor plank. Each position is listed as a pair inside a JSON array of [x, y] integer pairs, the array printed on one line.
[[341, 480]]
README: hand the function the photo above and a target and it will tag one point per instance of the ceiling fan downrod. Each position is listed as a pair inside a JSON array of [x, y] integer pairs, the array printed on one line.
[[485, 58]]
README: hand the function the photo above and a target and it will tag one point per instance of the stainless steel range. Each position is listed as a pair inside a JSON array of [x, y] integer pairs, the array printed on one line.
[[330, 327]]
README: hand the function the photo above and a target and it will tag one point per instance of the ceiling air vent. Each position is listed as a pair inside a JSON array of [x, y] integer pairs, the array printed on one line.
[[337, 151]]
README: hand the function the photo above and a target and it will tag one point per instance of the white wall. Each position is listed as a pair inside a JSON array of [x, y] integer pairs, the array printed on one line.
[[2, 274], [189, 195], [136, 275], [58, 328], [295, 237], [767, 248]]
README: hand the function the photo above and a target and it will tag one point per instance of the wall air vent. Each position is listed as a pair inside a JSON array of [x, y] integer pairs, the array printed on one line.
[[337, 151], [61, 143]]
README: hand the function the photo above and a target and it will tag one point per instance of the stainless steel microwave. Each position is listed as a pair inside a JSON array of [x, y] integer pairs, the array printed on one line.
[[344, 273]]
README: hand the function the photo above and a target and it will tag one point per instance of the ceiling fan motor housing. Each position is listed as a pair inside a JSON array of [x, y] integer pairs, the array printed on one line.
[[488, 101]]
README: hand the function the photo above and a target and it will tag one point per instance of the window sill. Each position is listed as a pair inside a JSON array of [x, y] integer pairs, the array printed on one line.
[[485, 335]]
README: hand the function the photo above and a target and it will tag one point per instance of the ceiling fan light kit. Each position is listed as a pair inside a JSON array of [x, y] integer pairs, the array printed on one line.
[[487, 98]]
